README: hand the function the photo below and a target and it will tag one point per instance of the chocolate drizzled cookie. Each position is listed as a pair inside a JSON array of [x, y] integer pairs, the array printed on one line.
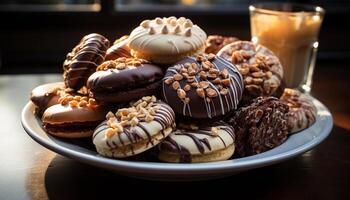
[[302, 112], [84, 59], [261, 69], [191, 143], [260, 126], [205, 86]]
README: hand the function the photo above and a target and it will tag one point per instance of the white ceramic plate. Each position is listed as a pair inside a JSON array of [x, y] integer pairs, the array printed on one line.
[[293, 146]]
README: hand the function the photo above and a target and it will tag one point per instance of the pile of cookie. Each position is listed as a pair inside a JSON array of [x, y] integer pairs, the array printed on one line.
[[168, 89]]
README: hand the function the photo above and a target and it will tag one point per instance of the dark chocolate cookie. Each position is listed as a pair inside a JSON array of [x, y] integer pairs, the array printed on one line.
[[260, 126], [125, 79], [84, 59]]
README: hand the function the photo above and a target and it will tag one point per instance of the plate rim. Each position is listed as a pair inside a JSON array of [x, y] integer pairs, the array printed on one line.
[[175, 168]]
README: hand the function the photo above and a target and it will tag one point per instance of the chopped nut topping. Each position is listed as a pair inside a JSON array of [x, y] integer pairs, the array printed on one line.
[[204, 84], [181, 93], [134, 121], [82, 103], [202, 75], [207, 65], [237, 57], [205, 70], [153, 99], [248, 80], [215, 131], [110, 132], [200, 58], [178, 77], [191, 79], [224, 91], [217, 81], [268, 74], [254, 68], [183, 70], [211, 57], [73, 103], [147, 99], [226, 82], [176, 85], [121, 64], [110, 115], [246, 54], [185, 75], [258, 81], [76, 101], [141, 110], [200, 92], [187, 88], [149, 118], [224, 73], [244, 71], [191, 71], [211, 92], [194, 84], [258, 74], [214, 71], [212, 76]]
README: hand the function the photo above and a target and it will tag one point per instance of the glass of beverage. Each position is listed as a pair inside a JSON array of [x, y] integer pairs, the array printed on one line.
[[291, 32]]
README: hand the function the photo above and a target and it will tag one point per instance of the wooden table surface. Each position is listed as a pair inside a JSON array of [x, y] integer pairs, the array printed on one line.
[[29, 171]]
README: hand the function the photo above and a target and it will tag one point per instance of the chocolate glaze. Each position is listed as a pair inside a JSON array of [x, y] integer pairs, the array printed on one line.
[[84, 59], [46, 95], [199, 107], [124, 85], [170, 145]]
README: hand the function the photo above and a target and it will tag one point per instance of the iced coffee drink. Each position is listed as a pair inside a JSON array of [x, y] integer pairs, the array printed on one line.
[[291, 32]]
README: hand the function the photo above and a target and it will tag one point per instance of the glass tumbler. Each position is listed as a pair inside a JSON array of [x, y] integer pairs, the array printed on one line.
[[291, 32]]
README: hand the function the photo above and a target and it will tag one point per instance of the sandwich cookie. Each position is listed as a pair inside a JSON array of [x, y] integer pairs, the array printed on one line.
[[302, 112], [166, 40], [84, 59], [135, 129], [47, 95], [195, 144], [125, 79], [261, 69], [73, 117]]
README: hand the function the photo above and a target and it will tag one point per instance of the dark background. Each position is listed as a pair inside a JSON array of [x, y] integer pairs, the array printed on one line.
[[36, 41]]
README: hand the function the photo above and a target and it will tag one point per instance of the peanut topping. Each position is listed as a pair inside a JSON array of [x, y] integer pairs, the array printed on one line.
[[121, 64], [200, 92], [215, 131], [204, 76], [211, 92], [142, 110], [77, 101], [181, 93]]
